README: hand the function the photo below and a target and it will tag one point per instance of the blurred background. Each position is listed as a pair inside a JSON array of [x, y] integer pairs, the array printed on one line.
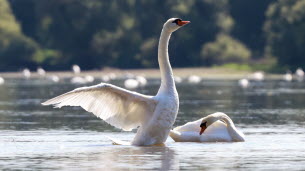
[[243, 34]]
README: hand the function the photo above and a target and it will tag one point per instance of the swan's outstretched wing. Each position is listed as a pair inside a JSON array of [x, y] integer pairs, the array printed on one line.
[[119, 107]]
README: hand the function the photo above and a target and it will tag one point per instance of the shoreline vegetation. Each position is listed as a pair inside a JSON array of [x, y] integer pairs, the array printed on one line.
[[260, 35], [205, 73]]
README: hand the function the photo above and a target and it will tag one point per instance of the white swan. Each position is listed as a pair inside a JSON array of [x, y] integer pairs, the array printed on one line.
[[258, 76], [194, 79], [126, 109], [131, 83], [26, 73], [76, 69], [105, 78], [89, 78], [54, 78], [244, 83], [299, 73], [2, 80], [177, 79], [288, 76], [41, 72], [142, 81], [78, 80], [217, 127], [112, 76]]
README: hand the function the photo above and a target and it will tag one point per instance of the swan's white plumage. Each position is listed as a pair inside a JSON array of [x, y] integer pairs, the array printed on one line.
[[41, 72], [299, 72], [89, 78], [190, 126], [287, 77], [194, 79], [244, 83], [76, 69], [178, 79], [105, 78], [216, 132], [119, 107], [2, 80], [258, 76], [78, 80], [126, 109], [112, 76], [54, 78], [142, 81], [131, 83], [26, 73]]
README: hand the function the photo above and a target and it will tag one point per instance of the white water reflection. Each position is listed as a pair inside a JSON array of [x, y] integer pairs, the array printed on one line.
[[80, 149]]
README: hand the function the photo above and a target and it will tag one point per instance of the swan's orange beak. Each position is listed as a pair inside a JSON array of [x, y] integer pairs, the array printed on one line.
[[203, 126], [202, 129], [182, 23]]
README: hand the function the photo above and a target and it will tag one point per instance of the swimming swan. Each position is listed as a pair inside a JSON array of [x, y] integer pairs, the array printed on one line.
[[216, 127], [128, 110]]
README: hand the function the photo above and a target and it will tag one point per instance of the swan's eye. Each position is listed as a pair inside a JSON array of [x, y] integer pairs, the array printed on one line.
[[204, 124], [177, 21]]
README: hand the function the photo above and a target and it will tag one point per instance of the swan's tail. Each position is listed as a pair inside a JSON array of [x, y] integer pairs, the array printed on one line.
[[118, 142], [175, 135]]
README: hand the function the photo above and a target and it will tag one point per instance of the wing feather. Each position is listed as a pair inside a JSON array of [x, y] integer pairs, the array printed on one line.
[[117, 106]]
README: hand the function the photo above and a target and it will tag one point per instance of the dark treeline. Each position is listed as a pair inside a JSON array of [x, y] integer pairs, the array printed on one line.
[[125, 33]]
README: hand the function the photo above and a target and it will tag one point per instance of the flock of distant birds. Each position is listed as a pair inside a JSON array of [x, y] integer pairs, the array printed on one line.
[[260, 76], [132, 82]]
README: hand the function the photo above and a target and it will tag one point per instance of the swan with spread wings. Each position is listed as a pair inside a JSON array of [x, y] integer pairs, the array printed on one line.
[[124, 109]]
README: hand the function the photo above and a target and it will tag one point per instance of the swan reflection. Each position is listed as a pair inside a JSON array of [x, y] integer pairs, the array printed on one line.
[[123, 157]]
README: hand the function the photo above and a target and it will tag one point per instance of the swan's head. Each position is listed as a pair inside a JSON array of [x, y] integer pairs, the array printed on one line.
[[174, 24], [210, 119]]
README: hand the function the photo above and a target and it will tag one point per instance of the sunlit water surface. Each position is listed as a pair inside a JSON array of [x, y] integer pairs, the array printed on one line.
[[271, 114]]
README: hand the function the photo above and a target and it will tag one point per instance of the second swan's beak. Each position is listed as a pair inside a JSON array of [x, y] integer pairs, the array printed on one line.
[[203, 126], [182, 23], [202, 129]]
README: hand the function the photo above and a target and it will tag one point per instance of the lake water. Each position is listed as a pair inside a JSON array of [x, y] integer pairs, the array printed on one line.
[[271, 114]]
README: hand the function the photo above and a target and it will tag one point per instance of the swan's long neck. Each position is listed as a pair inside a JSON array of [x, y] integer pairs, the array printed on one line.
[[167, 80], [235, 134], [227, 120]]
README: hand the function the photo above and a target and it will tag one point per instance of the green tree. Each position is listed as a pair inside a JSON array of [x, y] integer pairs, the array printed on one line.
[[95, 33], [225, 49], [249, 17], [16, 50], [285, 32]]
